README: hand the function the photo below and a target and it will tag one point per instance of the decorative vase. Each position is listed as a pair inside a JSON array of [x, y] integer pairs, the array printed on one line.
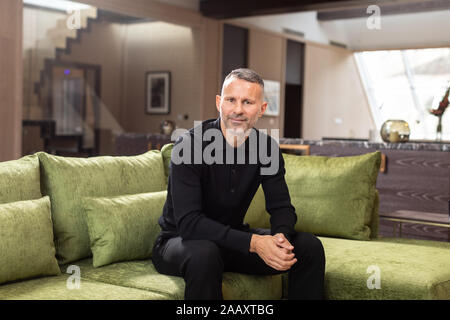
[[395, 131], [167, 127]]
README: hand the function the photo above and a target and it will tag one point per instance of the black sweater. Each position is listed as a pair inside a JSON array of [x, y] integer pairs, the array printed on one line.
[[209, 201]]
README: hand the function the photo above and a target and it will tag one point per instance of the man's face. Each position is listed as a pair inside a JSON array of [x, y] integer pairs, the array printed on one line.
[[240, 105]]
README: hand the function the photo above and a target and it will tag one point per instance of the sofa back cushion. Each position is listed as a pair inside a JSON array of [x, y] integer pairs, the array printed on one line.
[[258, 217], [125, 227], [26, 240], [334, 196], [166, 152], [19, 179], [67, 180]]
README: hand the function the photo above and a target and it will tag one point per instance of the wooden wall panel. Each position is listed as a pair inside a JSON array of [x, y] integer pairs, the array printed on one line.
[[267, 56], [211, 59], [10, 79]]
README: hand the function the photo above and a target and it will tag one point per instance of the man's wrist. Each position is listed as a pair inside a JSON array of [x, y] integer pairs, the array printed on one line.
[[253, 241], [286, 231]]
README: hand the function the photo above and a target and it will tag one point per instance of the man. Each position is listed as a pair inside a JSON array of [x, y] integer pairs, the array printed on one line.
[[203, 234]]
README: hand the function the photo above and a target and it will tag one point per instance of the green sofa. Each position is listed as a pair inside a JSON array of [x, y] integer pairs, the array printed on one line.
[[84, 228]]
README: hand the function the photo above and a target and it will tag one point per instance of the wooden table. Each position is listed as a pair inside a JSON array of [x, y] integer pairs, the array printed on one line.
[[426, 218]]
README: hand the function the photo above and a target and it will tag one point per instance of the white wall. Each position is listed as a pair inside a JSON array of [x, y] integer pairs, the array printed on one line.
[[334, 103], [305, 22], [426, 29]]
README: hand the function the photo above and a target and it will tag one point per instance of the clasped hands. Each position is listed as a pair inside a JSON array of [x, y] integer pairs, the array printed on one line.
[[276, 251]]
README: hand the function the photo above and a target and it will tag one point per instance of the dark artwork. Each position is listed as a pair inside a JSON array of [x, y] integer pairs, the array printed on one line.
[[158, 92]]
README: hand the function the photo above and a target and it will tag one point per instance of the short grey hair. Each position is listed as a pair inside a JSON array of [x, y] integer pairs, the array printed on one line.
[[247, 75]]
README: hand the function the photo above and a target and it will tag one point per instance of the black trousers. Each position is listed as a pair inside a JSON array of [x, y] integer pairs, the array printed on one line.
[[201, 264]]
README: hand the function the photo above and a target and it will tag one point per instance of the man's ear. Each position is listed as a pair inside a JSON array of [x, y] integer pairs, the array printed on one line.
[[263, 109], [218, 98]]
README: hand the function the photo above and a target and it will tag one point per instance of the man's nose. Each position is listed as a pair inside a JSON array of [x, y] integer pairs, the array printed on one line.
[[238, 108]]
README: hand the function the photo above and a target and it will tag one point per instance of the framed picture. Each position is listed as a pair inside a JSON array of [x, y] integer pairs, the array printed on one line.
[[272, 96], [158, 92]]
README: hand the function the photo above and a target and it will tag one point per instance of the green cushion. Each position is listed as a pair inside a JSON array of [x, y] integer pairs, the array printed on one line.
[[67, 180], [257, 216], [26, 240], [19, 179], [333, 196], [409, 269], [139, 274], [55, 288], [124, 227], [238, 286], [143, 275], [417, 242], [166, 152]]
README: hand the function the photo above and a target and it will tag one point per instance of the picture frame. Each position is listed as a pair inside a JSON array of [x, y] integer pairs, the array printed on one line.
[[157, 92], [272, 96]]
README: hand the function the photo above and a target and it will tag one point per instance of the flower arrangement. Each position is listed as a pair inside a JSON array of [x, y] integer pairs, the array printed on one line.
[[442, 105], [440, 111]]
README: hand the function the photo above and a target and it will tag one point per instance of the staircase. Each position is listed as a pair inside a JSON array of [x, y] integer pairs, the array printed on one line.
[[57, 42]]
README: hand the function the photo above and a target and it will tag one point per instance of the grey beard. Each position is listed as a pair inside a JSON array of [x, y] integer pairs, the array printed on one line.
[[238, 135]]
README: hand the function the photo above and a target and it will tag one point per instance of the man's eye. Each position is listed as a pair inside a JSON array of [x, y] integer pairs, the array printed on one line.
[[231, 99]]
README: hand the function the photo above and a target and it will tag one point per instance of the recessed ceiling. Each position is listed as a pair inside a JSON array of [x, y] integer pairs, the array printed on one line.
[[327, 9]]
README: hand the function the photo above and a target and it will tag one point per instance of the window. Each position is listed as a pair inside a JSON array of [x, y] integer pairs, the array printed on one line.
[[406, 84]]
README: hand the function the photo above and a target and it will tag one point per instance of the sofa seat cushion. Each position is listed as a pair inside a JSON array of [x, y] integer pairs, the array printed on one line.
[[238, 286], [55, 288], [408, 269], [141, 274]]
